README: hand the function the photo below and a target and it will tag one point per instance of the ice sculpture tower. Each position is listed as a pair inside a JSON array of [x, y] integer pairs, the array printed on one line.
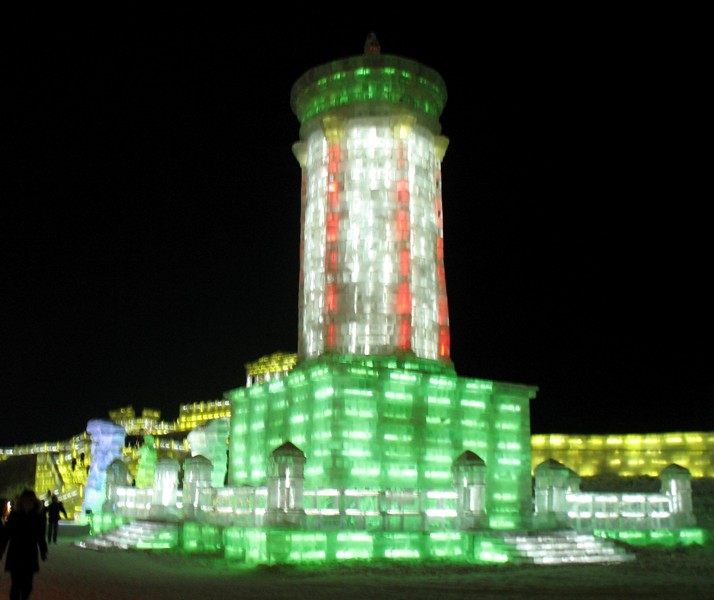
[[387, 429], [372, 256]]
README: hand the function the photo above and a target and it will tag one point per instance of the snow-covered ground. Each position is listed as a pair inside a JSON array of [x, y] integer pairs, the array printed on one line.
[[73, 573]]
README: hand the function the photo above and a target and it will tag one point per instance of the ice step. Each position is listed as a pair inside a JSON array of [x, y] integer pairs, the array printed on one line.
[[565, 547], [138, 534]]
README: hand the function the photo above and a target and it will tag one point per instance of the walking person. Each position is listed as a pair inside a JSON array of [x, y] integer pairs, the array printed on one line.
[[53, 511], [23, 536]]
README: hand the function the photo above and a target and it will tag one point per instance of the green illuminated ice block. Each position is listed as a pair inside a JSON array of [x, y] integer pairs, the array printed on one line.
[[388, 423], [372, 84]]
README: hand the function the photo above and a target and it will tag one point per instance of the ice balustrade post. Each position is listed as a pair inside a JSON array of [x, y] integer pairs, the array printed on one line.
[[676, 484], [163, 503], [383, 509], [286, 484], [469, 477], [553, 482], [117, 476], [196, 476]]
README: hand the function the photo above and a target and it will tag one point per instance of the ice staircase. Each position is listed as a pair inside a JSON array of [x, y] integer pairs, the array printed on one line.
[[137, 535], [557, 547], [519, 547]]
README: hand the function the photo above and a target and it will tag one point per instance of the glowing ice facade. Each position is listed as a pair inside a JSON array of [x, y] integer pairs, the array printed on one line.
[[388, 423]]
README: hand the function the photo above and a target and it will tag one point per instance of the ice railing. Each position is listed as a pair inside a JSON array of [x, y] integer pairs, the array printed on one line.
[[247, 506], [588, 511], [330, 508], [284, 501], [560, 502], [397, 510]]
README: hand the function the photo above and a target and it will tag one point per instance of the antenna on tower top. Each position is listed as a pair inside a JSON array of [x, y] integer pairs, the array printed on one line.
[[371, 45]]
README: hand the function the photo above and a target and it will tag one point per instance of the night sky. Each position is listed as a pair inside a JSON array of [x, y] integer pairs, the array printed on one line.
[[150, 219]]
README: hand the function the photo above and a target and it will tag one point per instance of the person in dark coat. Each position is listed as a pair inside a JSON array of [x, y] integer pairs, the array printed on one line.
[[53, 511], [23, 536]]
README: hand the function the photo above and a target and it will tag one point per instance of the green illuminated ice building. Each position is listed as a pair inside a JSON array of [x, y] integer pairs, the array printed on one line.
[[373, 429]]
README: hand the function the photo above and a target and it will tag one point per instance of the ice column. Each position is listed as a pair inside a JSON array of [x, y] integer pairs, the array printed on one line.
[[165, 489], [117, 476], [553, 481], [285, 486], [469, 473], [676, 483], [196, 476]]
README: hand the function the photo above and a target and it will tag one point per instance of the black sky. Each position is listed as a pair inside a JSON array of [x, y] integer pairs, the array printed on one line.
[[150, 220]]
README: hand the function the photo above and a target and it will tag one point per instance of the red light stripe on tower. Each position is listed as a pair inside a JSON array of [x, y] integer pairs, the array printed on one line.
[[444, 342], [332, 226], [444, 348], [403, 191], [331, 297], [404, 299], [332, 233], [405, 334], [404, 294], [440, 249], [402, 225], [405, 262]]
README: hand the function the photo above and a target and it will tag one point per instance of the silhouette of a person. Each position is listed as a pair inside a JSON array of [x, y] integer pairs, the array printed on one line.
[[23, 536], [54, 510]]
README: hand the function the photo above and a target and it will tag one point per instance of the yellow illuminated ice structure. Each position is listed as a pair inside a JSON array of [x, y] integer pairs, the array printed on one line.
[[627, 455], [270, 367], [199, 413], [149, 421]]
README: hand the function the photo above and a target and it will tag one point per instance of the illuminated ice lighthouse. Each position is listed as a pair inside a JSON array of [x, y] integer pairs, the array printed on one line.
[[366, 443], [372, 256], [373, 429]]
